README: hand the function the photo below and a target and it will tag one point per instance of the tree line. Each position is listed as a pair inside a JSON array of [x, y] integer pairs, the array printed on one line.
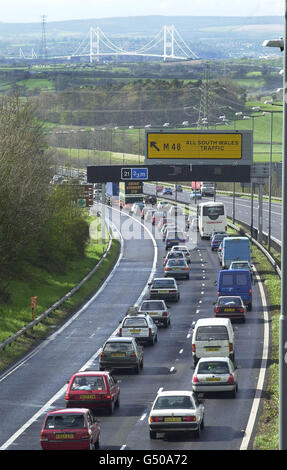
[[138, 102], [40, 224]]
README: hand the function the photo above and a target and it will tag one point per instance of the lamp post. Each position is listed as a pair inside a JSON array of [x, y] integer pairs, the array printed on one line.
[[283, 311]]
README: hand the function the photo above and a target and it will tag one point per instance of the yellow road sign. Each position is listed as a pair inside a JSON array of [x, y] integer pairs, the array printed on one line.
[[194, 145]]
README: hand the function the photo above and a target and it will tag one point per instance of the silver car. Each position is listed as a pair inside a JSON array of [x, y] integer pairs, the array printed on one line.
[[164, 288], [157, 309], [176, 268], [141, 327], [215, 374], [174, 411]]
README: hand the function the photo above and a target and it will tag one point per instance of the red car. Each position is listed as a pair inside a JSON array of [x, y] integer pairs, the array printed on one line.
[[72, 429], [93, 389]]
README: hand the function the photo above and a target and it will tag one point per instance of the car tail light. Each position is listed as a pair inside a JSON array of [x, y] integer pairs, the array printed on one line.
[[230, 347], [172, 290], [44, 437], [108, 397], [189, 418], [149, 331], [241, 310], [186, 268], [85, 436], [102, 354], [166, 268], [217, 310], [133, 355], [155, 419], [250, 291], [195, 380], [120, 332], [218, 293], [67, 396], [230, 379], [164, 314], [193, 347]]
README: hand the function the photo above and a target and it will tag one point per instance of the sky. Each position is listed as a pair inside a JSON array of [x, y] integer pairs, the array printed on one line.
[[31, 11]]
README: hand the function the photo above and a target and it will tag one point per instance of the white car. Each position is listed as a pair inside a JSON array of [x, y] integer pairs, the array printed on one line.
[[141, 327], [215, 374], [176, 411], [157, 310], [163, 205], [184, 249]]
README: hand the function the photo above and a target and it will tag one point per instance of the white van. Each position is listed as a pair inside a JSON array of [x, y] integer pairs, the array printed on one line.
[[212, 337]]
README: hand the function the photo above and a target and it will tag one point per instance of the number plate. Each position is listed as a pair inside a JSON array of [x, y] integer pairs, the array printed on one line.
[[118, 354], [88, 397], [229, 310], [152, 313], [64, 436], [212, 349], [135, 330], [172, 419], [163, 291], [212, 379]]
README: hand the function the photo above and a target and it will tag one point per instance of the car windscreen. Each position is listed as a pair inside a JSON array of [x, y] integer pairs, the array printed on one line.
[[65, 421], [163, 283], [206, 333], [158, 305], [135, 322], [88, 382], [213, 367], [176, 401]]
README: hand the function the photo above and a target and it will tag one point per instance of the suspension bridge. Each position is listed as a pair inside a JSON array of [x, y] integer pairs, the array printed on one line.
[[167, 44]]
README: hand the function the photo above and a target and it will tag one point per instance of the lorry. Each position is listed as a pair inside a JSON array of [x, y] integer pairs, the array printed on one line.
[[112, 190], [235, 249]]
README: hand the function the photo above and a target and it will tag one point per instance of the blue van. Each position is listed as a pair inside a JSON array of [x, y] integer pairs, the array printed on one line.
[[235, 282], [235, 249]]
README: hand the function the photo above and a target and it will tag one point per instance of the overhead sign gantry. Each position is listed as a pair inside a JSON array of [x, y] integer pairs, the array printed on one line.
[[186, 156]]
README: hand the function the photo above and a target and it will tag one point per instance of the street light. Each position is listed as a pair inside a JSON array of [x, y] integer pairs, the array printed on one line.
[[283, 310]]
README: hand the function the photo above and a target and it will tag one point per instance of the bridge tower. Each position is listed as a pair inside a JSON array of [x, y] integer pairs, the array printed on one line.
[[168, 42], [95, 32]]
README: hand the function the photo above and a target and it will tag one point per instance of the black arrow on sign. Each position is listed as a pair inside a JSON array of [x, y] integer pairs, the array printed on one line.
[[153, 144]]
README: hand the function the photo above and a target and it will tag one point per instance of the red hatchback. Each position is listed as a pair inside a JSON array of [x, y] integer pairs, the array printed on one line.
[[73, 429], [93, 389]]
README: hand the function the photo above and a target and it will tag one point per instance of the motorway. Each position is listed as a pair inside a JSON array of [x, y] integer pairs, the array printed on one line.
[[38, 382], [242, 209]]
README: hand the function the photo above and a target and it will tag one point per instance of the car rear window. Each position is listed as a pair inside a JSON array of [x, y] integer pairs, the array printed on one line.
[[152, 306], [65, 421], [229, 301], [176, 262], [214, 367], [174, 402], [205, 333], [122, 347], [89, 382], [164, 283], [135, 322], [242, 279]]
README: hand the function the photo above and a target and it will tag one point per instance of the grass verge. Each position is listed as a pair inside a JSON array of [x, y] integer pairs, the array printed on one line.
[[49, 288]]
